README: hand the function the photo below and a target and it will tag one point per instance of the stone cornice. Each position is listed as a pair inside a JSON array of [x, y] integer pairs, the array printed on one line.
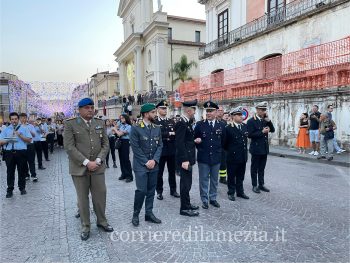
[[130, 42]]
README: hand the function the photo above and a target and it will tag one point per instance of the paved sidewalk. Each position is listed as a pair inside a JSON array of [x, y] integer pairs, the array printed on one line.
[[311, 204], [342, 159]]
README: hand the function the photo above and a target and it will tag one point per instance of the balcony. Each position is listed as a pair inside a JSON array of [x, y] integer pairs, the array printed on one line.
[[270, 21], [309, 70]]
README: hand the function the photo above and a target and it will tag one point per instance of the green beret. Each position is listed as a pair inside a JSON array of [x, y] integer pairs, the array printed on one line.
[[147, 107]]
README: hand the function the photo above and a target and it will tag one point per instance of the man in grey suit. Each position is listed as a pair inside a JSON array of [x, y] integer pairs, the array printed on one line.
[[86, 143], [146, 143]]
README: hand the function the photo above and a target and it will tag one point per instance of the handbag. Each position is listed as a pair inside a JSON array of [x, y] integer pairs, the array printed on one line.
[[117, 143], [329, 135]]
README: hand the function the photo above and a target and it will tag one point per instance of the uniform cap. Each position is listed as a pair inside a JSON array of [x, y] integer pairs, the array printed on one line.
[[192, 103], [210, 105], [237, 111], [85, 101], [261, 105], [147, 107], [163, 104]]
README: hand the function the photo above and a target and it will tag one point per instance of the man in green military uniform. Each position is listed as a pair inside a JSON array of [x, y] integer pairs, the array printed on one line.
[[86, 143], [146, 143]]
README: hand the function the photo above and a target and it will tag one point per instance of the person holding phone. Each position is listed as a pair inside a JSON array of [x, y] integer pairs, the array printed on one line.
[[259, 128], [186, 156]]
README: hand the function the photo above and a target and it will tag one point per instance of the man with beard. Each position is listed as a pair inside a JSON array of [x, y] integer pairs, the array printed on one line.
[[186, 156], [146, 144]]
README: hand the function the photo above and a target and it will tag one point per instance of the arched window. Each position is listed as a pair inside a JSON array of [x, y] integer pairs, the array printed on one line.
[[270, 66], [149, 57], [217, 78]]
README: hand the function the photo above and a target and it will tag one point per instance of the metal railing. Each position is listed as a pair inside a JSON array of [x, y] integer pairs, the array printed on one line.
[[271, 20]]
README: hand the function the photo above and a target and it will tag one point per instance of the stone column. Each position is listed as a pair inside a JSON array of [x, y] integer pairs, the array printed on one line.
[[138, 69], [161, 63], [122, 77]]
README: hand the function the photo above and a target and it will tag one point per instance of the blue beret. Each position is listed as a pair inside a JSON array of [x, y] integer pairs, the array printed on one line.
[[85, 101]]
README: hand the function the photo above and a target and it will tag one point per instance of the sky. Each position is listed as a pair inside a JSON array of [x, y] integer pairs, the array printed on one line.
[[67, 40]]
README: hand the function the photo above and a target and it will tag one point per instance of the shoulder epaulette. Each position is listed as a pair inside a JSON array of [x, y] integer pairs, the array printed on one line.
[[69, 119]]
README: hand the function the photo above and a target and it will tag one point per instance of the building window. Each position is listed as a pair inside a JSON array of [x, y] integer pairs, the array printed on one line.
[[276, 11], [149, 57], [170, 33], [223, 27], [198, 36], [273, 5]]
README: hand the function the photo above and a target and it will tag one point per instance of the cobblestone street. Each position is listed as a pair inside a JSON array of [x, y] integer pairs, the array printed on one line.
[[309, 202]]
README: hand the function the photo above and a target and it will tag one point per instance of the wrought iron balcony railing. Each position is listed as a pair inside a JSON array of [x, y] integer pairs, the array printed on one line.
[[272, 20]]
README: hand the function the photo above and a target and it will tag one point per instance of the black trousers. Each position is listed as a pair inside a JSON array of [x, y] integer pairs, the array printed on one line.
[[30, 160], [45, 147], [60, 139], [223, 160], [235, 177], [170, 161], [257, 169], [16, 159], [50, 141], [112, 149], [124, 159], [39, 152], [185, 188]]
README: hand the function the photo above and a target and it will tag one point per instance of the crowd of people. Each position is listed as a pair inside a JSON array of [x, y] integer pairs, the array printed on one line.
[[218, 144], [317, 132]]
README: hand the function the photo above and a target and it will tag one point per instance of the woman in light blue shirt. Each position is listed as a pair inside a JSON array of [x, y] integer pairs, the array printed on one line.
[[123, 132]]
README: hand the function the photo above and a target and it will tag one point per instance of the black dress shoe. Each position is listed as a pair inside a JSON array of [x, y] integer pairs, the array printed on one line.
[[205, 206], [151, 218], [23, 192], [115, 166], [47, 160], [121, 178], [194, 207], [231, 197], [263, 188], [84, 235], [35, 179], [77, 215], [330, 158], [244, 196], [107, 165], [9, 194], [42, 168], [106, 228], [135, 220], [189, 213], [214, 203], [128, 180], [175, 194], [159, 196], [27, 178], [256, 190]]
